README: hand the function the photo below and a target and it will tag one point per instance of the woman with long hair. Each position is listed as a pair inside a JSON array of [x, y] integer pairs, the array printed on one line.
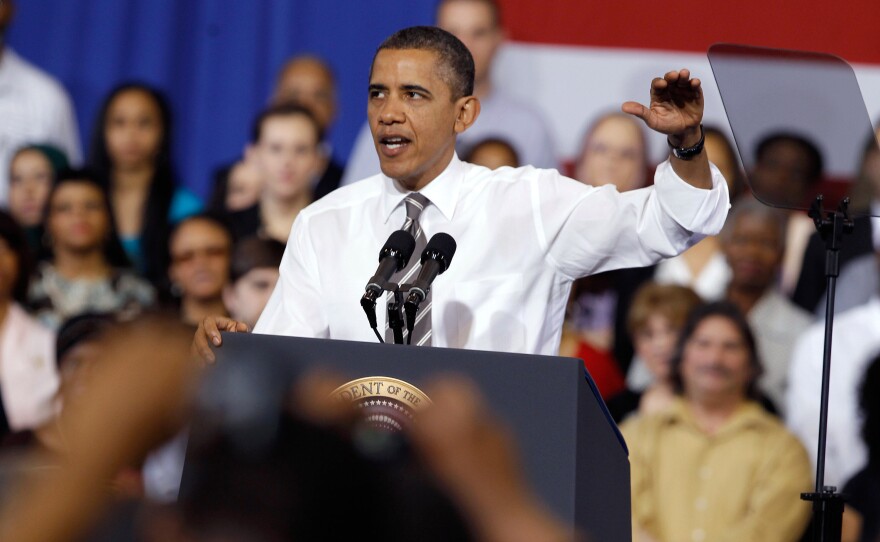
[[131, 153]]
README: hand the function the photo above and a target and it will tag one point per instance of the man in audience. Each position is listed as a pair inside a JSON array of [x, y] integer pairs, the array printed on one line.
[[477, 23], [787, 166], [308, 81], [715, 466], [34, 107], [753, 241], [524, 233], [855, 342], [285, 147]]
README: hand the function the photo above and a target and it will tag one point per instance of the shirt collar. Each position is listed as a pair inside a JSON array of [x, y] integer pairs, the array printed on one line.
[[748, 414], [442, 191]]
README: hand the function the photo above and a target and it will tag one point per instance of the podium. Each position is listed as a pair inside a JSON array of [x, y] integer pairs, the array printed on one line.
[[574, 458]]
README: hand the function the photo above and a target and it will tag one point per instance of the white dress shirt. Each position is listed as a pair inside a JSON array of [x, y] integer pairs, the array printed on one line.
[[855, 342], [523, 235], [501, 117], [35, 108]]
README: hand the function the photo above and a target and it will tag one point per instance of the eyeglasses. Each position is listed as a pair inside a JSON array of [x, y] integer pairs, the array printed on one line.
[[191, 255]]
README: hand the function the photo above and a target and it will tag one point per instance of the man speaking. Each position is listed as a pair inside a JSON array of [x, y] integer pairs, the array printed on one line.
[[523, 234]]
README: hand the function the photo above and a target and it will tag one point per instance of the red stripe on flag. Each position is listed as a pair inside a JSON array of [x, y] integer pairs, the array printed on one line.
[[846, 29]]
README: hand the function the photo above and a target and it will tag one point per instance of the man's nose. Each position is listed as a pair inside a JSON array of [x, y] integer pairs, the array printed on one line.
[[391, 112]]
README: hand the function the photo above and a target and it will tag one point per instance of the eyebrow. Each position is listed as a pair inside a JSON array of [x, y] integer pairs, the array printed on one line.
[[407, 88]]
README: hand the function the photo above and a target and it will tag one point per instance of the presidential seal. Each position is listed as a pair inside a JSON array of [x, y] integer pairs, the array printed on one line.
[[388, 404]]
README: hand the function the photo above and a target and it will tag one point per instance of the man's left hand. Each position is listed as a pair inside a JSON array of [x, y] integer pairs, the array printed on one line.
[[676, 107]]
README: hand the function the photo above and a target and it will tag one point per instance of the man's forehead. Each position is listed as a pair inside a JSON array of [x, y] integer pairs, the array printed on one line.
[[399, 67]]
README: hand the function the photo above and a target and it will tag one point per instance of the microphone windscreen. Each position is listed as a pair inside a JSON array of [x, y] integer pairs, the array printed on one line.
[[442, 244], [399, 241]]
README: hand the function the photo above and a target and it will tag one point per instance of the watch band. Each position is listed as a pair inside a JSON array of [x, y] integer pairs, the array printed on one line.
[[688, 153]]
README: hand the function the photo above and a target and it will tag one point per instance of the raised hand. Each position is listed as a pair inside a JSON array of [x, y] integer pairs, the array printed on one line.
[[676, 107]]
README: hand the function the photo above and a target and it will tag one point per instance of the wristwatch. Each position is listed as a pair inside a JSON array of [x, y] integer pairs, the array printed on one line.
[[688, 153]]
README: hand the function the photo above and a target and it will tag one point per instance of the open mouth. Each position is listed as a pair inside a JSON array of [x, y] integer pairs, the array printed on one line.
[[394, 143]]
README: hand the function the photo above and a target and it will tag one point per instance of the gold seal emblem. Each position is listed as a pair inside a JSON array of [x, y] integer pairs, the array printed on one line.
[[387, 403]]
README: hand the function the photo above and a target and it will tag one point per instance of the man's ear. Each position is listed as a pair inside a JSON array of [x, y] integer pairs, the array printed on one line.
[[468, 110], [7, 11]]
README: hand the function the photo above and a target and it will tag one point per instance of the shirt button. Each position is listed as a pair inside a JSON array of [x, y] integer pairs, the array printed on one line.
[[698, 535], [701, 503]]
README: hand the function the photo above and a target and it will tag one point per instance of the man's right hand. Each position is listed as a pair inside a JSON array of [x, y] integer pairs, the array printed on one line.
[[209, 334]]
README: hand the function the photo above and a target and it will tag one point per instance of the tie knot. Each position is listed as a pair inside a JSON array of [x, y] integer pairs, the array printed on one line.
[[415, 204]]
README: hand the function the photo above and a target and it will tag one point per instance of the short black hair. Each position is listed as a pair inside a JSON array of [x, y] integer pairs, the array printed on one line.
[[13, 235], [114, 252], [80, 329], [455, 66], [254, 253], [285, 109], [817, 163], [731, 312]]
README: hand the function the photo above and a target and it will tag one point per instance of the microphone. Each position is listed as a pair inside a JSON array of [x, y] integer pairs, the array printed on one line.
[[393, 257], [435, 260]]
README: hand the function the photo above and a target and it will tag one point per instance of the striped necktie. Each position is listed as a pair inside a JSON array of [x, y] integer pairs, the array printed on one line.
[[415, 204]]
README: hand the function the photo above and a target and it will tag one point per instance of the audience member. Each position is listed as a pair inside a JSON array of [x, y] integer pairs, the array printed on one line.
[[753, 241], [715, 465], [28, 378], [33, 169], [86, 270], [131, 152], [787, 166], [236, 187], [308, 81], [200, 248], [864, 240], [252, 277], [614, 151], [855, 342], [721, 152], [861, 519], [285, 145], [34, 106], [656, 317], [493, 153], [477, 23]]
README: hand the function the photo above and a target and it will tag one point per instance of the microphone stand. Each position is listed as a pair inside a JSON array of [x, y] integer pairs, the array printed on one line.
[[395, 314], [827, 519]]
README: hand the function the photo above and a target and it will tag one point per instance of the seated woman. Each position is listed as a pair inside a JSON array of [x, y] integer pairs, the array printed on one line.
[[200, 247], [131, 153], [28, 378], [31, 172], [87, 269]]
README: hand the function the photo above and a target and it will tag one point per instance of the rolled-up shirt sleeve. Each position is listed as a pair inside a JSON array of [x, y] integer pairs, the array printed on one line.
[[589, 230]]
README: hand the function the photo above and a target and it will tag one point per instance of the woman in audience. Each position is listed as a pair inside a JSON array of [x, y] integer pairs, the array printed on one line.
[[28, 379], [614, 152], [32, 171], [131, 152], [861, 520], [656, 317], [493, 153], [720, 151], [200, 249], [87, 270]]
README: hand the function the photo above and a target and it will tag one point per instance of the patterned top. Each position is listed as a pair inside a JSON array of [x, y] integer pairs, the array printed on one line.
[[54, 298]]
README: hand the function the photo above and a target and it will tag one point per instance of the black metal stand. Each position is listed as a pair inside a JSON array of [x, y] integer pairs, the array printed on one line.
[[827, 503]]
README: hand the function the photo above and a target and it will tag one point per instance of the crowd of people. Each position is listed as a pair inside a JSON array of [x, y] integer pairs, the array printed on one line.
[[710, 361]]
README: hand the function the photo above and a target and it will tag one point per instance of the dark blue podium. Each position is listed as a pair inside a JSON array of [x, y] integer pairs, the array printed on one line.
[[574, 457]]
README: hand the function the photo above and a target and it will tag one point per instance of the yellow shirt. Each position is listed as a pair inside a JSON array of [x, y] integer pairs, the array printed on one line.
[[741, 484]]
